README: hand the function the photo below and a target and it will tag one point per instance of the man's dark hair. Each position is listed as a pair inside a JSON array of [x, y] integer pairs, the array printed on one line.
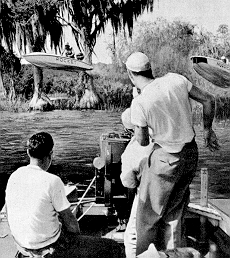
[[40, 145], [147, 73]]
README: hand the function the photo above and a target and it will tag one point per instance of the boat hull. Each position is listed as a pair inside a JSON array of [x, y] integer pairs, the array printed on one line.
[[56, 62], [213, 70]]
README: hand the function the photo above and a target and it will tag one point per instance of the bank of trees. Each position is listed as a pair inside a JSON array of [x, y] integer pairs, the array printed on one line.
[[169, 46], [32, 22]]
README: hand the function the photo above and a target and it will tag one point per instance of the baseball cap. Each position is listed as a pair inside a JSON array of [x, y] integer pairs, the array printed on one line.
[[138, 62]]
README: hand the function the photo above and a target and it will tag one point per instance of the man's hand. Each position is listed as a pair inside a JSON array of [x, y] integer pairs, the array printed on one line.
[[211, 140]]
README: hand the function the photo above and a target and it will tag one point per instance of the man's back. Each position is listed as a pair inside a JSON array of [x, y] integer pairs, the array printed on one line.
[[166, 107], [33, 197]]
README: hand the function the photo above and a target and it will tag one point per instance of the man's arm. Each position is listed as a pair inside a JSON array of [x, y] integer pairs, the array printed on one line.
[[142, 135], [208, 102], [129, 165], [69, 221]]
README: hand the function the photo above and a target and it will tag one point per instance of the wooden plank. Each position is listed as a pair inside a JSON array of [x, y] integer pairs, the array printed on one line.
[[208, 212], [118, 236], [97, 209], [204, 187], [69, 189], [222, 206]]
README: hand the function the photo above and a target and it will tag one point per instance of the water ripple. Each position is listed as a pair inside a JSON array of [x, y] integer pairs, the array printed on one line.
[[76, 135]]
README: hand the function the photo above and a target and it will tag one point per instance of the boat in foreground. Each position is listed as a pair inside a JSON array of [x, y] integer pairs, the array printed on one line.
[[56, 62], [105, 214]]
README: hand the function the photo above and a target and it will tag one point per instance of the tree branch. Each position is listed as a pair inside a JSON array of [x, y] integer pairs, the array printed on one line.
[[71, 25]]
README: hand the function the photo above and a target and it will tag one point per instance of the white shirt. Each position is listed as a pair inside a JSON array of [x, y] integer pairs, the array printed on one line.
[[165, 107], [33, 199], [130, 162]]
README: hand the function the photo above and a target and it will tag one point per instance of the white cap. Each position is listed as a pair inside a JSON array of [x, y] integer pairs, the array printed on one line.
[[138, 62], [126, 119]]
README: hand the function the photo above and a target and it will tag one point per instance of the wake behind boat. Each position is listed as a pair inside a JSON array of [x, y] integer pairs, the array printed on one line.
[[56, 62], [213, 70]]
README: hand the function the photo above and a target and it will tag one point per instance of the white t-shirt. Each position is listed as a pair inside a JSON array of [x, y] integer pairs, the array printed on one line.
[[130, 162], [33, 199], [165, 107]]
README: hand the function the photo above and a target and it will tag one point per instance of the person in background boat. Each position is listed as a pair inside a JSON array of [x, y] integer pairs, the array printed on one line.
[[227, 57], [39, 214], [164, 106], [130, 177], [223, 59], [68, 51]]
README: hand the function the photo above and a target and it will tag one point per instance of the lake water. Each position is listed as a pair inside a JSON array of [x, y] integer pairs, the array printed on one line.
[[76, 135]]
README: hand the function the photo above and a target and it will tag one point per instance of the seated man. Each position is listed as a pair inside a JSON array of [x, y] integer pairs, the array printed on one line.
[[39, 213], [68, 51]]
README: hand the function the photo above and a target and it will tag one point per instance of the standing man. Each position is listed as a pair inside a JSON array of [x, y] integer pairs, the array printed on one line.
[[164, 106], [39, 213]]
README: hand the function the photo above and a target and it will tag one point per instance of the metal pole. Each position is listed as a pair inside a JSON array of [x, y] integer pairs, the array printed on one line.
[[204, 203]]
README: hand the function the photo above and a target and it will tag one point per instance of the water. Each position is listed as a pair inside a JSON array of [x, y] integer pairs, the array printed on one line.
[[76, 135]]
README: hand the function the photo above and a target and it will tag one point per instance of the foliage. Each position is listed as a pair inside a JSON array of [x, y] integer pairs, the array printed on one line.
[[36, 21], [113, 94], [17, 106], [166, 44], [89, 18], [7, 25], [169, 46], [9, 61]]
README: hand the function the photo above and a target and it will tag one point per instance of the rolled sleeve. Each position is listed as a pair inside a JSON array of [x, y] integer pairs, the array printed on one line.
[[59, 199], [137, 114], [186, 82], [128, 176], [130, 161]]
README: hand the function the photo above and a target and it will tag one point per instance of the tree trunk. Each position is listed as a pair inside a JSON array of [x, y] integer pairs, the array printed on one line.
[[12, 94], [40, 101], [2, 89], [89, 98]]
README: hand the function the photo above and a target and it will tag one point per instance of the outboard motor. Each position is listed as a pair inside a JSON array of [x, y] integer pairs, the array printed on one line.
[[109, 189]]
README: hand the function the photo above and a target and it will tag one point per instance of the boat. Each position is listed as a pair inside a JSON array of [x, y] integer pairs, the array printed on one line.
[[57, 62], [214, 70], [207, 221]]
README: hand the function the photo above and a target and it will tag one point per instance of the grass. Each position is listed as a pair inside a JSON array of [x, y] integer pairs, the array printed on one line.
[[16, 106]]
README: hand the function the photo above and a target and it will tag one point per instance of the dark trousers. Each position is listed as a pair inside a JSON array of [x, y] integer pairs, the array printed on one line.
[[163, 196], [78, 246]]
